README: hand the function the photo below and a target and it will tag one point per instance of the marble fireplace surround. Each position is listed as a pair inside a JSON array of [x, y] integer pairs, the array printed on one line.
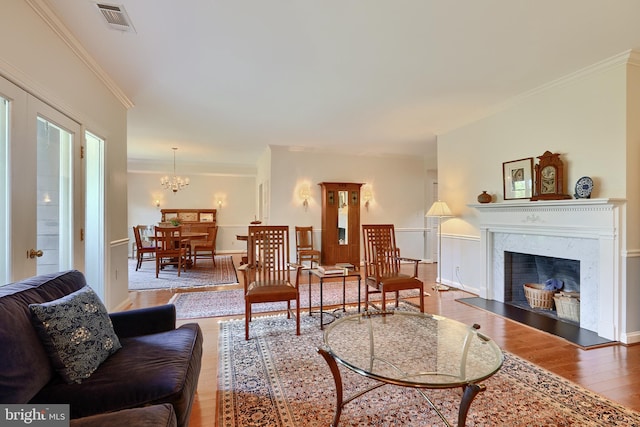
[[587, 230]]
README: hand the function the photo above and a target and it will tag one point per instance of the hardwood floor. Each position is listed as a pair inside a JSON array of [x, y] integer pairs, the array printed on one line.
[[612, 371]]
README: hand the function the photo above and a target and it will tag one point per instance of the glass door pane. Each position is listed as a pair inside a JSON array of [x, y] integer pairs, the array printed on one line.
[[4, 191], [94, 212], [54, 223]]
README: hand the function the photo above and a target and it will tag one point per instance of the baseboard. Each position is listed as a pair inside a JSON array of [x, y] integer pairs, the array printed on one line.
[[631, 338]]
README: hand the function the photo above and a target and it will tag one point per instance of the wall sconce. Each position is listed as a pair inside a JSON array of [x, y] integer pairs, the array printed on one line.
[[305, 195], [219, 199], [367, 196], [158, 204]]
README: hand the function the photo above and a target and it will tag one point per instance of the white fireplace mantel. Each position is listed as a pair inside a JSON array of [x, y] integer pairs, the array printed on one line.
[[587, 230]]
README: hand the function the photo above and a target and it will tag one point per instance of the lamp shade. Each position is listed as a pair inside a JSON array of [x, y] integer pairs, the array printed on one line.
[[439, 209]]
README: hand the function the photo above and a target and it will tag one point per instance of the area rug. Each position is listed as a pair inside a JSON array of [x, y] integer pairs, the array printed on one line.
[[278, 379], [190, 305], [204, 274]]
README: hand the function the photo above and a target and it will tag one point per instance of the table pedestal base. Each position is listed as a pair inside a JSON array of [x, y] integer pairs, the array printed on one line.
[[471, 390]]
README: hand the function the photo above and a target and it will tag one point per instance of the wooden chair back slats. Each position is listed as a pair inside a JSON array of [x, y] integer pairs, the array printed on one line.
[[382, 264], [166, 238], [136, 234], [380, 251], [269, 252], [170, 248], [304, 246], [142, 247], [267, 274], [206, 248], [304, 238]]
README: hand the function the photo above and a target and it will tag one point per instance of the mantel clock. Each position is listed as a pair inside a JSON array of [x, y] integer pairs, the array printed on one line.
[[549, 177]]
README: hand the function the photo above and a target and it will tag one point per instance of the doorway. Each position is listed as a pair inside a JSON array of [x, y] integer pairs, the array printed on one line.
[[42, 214]]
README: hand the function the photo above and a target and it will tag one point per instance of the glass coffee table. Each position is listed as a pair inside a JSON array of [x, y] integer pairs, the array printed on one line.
[[417, 350]]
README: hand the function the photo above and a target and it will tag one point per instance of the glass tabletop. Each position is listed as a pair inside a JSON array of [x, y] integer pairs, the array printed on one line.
[[413, 349]]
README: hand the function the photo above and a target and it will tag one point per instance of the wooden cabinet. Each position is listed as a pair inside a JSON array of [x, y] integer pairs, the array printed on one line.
[[197, 220], [340, 223]]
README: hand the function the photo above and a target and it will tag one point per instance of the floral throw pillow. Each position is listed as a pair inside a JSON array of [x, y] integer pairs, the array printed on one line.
[[77, 333]]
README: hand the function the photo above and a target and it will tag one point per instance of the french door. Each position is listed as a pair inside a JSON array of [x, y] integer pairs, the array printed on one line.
[[42, 203]]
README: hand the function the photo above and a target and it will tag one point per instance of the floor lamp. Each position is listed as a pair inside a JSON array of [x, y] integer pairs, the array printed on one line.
[[440, 210]]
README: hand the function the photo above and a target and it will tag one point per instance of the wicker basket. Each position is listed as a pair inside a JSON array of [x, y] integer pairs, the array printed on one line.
[[568, 307], [537, 297]]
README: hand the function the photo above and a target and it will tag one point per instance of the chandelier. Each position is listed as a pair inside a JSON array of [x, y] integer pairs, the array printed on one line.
[[175, 182]]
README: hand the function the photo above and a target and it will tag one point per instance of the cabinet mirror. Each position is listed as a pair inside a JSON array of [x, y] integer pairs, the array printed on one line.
[[343, 218]]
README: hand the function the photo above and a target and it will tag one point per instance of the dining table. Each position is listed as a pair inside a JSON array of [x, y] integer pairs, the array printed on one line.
[[187, 238]]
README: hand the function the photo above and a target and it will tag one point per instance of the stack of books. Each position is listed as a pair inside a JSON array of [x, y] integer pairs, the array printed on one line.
[[330, 269], [345, 265]]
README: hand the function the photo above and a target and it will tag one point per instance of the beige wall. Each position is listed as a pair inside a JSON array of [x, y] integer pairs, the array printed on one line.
[[236, 191], [397, 183], [34, 57], [582, 118], [590, 118]]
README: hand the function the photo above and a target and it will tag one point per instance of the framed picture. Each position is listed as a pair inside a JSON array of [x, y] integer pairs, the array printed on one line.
[[517, 178]]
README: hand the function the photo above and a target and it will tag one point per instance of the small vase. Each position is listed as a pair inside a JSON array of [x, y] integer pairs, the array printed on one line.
[[484, 197]]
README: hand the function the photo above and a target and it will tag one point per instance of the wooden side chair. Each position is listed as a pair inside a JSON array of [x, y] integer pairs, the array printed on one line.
[[142, 247], [304, 246], [382, 265], [267, 275], [206, 248], [171, 248]]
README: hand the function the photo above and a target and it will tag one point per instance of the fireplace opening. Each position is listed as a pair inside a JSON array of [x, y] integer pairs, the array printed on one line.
[[521, 268]]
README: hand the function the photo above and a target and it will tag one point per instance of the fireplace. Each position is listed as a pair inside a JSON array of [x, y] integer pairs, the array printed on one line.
[[584, 231], [521, 268]]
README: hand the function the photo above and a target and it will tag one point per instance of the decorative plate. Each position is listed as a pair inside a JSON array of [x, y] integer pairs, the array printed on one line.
[[584, 186]]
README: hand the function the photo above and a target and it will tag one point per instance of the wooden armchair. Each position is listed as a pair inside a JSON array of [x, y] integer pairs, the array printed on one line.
[[382, 265], [267, 275], [207, 248], [304, 246], [171, 249], [142, 247]]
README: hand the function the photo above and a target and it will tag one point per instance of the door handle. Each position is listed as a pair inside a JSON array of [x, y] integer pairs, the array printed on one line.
[[33, 253]]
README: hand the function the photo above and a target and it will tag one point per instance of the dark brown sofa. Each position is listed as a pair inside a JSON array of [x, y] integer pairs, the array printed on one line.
[[158, 363]]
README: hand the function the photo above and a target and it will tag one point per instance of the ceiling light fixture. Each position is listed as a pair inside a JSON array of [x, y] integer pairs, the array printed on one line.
[[175, 182]]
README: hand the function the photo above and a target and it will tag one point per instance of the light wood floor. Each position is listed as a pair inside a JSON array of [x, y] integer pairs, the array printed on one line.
[[612, 371]]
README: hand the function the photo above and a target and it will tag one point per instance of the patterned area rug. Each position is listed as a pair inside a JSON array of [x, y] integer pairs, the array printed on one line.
[[190, 305], [278, 379], [204, 274]]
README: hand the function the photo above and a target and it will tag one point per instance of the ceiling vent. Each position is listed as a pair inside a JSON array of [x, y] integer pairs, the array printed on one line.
[[116, 17]]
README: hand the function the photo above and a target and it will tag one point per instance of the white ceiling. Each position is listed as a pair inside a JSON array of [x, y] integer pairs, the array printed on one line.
[[222, 79]]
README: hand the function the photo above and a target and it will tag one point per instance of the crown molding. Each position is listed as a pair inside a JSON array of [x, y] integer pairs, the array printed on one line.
[[52, 20], [634, 58], [629, 57]]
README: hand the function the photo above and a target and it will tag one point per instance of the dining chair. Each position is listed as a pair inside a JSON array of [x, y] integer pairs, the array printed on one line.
[[207, 248], [267, 275], [171, 248], [382, 265], [304, 246], [142, 246]]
